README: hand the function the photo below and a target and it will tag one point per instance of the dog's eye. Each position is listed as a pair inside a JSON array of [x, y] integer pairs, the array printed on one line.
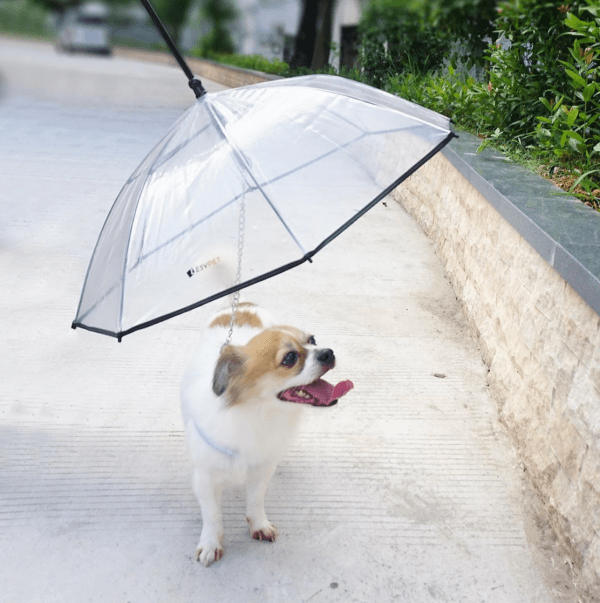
[[290, 359], [311, 340]]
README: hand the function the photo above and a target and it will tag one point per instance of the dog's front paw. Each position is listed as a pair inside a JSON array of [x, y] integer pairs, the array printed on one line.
[[207, 553], [264, 530]]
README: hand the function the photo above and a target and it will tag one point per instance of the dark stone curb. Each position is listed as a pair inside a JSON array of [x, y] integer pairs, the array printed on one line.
[[563, 230]]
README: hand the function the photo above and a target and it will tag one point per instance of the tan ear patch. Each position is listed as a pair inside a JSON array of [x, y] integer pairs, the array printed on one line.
[[243, 318]]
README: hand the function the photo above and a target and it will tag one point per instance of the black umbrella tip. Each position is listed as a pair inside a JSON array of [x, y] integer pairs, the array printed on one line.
[[196, 85]]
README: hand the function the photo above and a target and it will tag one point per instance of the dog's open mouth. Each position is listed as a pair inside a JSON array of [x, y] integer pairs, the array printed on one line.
[[317, 393]]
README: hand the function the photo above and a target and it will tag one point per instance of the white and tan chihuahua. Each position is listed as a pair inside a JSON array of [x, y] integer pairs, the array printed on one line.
[[241, 404]]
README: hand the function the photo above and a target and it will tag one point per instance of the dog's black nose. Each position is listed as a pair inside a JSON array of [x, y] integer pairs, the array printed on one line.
[[326, 357]]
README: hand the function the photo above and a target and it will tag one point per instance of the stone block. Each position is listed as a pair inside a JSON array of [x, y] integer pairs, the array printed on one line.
[[595, 368], [508, 250], [528, 266], [576, 339], [541, 463], [485, 263], [548, 293], [567, 444], [486, 307], [502, 377], [589, 484], [445, 251], [517, 299], [499, 273], [540, 390], [425, 217], [533, 326], [558, 361], [585, 318], [500, 334], [574, 529], [482, 213], [473, 244], [583, 403], [469, 296], [520, 354], [485, 342]]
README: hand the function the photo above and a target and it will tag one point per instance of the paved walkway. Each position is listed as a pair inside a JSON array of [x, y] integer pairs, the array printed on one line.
[[405, 491]]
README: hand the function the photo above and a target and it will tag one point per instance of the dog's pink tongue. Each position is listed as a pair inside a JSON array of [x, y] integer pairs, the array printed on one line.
[[326, 394]]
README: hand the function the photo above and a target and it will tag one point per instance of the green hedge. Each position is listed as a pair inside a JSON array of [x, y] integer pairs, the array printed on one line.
[[541, 97]]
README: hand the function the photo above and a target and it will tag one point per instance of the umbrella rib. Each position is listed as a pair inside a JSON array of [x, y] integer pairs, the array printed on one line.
[[136, 174], [176, 150], [259, 187], [239, 155], [133, 215], [393, 106], [162, 144], [331, 152], [188, 229]]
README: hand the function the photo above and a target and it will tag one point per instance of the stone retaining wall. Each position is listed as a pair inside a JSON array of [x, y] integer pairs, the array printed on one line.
[[541, 341]]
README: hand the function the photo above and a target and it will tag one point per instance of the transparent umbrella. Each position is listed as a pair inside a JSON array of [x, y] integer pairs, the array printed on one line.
[[269, 174]]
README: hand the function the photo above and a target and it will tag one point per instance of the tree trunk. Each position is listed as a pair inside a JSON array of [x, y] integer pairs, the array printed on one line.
[[307, 35], [322, 48]]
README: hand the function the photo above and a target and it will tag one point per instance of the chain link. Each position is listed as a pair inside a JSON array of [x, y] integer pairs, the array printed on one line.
[[238, 275]]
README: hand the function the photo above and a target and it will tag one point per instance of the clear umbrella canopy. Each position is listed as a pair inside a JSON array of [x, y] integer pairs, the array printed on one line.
[[302, 158]]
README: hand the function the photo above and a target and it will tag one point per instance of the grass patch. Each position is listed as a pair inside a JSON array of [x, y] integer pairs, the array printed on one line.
[[251, 61]]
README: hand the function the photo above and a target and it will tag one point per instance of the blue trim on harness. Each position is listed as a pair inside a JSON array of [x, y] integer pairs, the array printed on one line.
[[213, 444]]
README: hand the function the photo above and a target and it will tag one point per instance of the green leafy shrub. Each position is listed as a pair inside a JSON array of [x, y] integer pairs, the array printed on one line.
[[524, 71], [449, 94], [570, 127], [469, 22], [394, 38]]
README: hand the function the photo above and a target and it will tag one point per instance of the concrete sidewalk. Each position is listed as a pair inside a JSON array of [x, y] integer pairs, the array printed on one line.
[[407, 490]]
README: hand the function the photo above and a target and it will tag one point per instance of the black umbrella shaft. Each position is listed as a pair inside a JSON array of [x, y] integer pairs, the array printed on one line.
[[195, 83]]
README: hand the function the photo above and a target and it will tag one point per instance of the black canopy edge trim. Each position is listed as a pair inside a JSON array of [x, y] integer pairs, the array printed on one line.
[[119, 335], [79, 325]]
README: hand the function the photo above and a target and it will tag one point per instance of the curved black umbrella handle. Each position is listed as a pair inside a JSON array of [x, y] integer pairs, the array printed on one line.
[[194, 83]]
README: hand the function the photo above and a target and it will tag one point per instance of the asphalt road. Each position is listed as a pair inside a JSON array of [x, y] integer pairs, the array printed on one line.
[[407, 490]]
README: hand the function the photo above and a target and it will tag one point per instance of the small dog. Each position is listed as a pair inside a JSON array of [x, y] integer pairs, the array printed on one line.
[[241, 405]]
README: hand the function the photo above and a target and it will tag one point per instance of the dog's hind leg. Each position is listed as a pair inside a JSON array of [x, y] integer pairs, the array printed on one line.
[[208, 493], [256, 487]]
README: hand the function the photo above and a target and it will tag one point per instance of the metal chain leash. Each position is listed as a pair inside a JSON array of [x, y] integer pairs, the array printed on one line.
[[238, 275]]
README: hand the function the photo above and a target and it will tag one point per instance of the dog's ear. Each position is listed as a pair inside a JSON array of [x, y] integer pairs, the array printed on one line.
[[229, 364]]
